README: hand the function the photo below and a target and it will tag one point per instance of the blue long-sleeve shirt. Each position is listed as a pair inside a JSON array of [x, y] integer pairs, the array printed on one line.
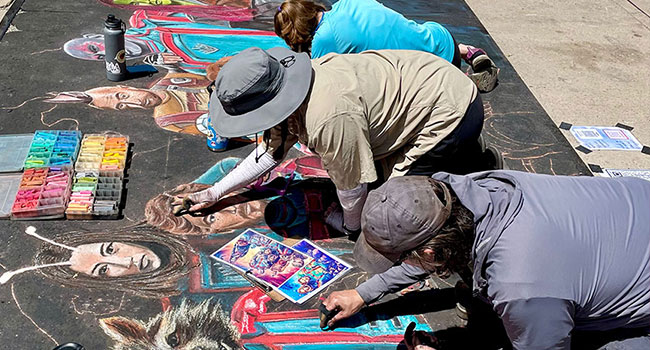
[[353, 26]]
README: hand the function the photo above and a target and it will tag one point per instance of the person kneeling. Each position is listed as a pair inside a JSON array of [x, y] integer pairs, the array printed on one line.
[[551, 254]]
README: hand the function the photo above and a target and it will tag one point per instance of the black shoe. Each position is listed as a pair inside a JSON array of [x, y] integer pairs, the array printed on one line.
[[493, 159], [463, 299]]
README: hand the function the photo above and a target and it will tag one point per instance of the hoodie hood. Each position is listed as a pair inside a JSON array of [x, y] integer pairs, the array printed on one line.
[[495, 199]]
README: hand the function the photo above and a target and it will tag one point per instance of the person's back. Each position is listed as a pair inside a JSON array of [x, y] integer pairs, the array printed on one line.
[[353, 26], [390, 97], [576, 254]]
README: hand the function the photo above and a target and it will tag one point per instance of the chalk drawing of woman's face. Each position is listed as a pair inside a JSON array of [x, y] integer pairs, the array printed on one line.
[[113, 259]]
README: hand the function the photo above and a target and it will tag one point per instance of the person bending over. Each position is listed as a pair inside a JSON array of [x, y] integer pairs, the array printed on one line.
[[353, 26], [552, 254], [369, 116]]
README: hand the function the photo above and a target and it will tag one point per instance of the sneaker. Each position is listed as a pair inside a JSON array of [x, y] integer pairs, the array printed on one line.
[[484, 73]]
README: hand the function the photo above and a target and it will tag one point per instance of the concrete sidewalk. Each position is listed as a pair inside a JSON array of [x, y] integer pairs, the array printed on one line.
[[585, 61]]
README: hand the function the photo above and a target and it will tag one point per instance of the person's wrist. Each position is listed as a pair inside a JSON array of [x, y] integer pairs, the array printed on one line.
[[352, 234]]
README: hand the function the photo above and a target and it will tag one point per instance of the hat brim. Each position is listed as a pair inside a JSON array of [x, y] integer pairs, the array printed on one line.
[[371, 260], [297, 80]]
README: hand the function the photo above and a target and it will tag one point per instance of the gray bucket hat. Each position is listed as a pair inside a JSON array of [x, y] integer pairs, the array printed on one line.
[[399, 216], [257, 89]]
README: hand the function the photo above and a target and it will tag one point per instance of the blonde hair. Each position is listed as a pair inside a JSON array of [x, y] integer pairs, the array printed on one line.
[[296, 22]]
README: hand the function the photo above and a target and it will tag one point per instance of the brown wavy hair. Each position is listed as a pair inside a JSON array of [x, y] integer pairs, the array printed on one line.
[[452, 246], [296, 21], [158, 211]]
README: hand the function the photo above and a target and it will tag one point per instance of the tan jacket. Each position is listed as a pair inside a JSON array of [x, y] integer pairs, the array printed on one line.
[[390, 106]]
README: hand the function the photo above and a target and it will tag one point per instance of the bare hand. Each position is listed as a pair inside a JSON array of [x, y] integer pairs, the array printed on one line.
[[348, 302]]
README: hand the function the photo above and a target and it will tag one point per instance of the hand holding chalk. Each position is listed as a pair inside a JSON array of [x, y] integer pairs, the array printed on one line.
[[181, 206], [347, 302]]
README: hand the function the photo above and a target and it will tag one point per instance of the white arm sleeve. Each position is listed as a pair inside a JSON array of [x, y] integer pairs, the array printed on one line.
[[352, 202], [244, 174]]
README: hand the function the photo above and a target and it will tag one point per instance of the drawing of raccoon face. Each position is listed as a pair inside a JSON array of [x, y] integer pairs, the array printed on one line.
[[189, 326]]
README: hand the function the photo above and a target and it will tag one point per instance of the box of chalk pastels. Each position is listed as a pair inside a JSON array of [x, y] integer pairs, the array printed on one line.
[[98, 179], [53, 148], [42, 194]]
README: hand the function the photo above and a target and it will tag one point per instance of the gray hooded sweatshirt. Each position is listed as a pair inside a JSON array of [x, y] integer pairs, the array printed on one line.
[[551, 253]]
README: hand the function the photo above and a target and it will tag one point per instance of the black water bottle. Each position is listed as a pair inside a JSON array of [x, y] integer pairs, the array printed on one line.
[[115, 56]]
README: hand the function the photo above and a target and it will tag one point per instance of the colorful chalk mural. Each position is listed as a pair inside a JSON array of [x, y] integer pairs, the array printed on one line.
[[176, 40], [182, 45], [251, 326], [199, 303], [206, 304], [179, 101]]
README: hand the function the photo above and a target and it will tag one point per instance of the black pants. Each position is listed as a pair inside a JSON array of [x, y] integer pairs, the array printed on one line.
[[457, 60], [459, 152]]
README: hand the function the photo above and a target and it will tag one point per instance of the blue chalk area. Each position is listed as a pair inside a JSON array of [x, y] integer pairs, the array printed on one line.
[[218, 171], [364, 326], [215, 275]]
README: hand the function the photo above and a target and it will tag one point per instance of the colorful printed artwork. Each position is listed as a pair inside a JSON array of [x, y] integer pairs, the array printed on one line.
[[316, 275], [298, 272], [262, 257]]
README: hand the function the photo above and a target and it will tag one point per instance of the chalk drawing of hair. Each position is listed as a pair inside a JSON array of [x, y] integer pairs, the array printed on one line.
[[53, 261], [69, 97]]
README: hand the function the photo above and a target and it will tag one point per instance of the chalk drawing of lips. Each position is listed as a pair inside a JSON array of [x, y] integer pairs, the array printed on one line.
[[120, 56]]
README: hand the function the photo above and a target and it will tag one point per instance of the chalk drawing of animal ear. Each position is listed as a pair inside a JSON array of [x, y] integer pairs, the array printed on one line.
[[124, 330], [92, 35], [69, 97]]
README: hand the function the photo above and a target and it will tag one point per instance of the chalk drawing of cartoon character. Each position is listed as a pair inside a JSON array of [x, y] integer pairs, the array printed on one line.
[[175, 39], [189, 325], [240, 249]]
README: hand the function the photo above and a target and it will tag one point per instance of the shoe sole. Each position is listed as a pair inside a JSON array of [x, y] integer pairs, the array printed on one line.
[[486, 74]]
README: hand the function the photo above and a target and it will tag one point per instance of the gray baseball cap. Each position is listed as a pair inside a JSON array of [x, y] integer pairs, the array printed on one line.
[[257, 89], [399, 216]]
